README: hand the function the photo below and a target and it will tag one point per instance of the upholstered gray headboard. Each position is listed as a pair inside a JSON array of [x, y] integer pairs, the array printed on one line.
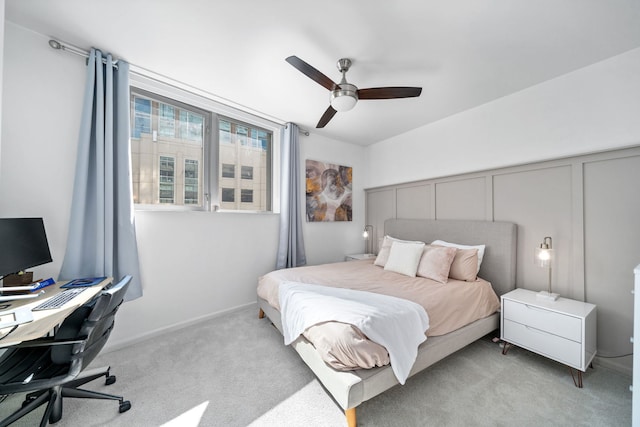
[[499, 262]]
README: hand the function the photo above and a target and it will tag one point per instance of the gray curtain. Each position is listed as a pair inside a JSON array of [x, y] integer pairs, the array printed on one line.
[[102, 239], [291, 245]]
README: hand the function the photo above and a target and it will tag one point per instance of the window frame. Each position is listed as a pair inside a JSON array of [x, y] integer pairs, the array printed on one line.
[[159, 87]]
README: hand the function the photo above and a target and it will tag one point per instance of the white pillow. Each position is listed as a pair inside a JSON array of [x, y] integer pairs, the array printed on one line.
[[480, 249], [385, 247], [404, 258]]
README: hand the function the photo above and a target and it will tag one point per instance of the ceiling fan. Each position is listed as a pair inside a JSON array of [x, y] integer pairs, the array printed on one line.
[[344, 95]]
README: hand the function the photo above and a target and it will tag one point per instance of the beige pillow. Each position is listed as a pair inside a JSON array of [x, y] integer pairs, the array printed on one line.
[[480, 249], [465, 265], [404, 258], [385, 248], [436, 263]]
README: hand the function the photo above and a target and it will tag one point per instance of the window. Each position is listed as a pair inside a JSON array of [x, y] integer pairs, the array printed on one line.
[[167, 179], [179, 163], [228, 171], [141, 117], [191, 181], [246, 196], [247, 172], [166, 121], [167, 168], [191, 126], [229, 195]]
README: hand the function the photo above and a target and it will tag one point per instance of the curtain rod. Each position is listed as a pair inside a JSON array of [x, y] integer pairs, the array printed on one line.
[[55, 44]]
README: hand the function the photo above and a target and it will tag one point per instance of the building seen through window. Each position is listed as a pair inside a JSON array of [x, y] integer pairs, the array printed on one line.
[[170, 143], [245, 166]]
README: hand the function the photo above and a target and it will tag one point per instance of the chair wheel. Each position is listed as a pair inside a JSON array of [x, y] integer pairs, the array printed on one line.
[[124, 406], [110, 380]]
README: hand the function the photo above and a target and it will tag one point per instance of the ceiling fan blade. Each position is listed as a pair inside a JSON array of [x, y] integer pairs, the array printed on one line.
[[389, 92], [328, 115], [311, 72]]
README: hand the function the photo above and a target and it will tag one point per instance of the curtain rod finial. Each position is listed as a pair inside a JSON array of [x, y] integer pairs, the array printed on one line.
[[55, 44]]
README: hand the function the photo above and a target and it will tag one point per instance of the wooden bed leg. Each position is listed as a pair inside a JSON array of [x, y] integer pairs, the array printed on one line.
[[351, 417], [261, 314]]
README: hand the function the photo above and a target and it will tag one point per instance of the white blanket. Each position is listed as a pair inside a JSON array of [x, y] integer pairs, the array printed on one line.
[[395, 323]]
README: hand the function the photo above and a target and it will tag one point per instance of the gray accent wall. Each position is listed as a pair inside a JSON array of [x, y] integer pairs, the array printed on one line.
[[589, 205]]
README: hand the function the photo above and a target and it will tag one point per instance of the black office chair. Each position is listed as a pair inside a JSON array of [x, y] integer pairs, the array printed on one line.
[[52, 368]]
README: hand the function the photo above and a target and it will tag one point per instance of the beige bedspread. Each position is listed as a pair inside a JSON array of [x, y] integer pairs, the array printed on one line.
[[449, 306]]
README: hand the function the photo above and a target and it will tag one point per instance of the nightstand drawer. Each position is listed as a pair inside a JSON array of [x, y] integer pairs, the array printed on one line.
[[545, 320], [546, 344]]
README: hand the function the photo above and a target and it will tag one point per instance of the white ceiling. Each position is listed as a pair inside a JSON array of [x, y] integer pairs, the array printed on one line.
[[463, 53]]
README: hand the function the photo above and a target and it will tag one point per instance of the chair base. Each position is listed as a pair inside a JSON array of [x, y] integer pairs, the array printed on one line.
[[54, 397]]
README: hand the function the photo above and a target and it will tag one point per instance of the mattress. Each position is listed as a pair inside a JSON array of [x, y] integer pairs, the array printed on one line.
[[450, 306]]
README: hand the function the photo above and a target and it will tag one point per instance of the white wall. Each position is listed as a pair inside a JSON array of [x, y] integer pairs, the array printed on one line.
[[1, 68], [592, 109], [193, 264], [331, 241]]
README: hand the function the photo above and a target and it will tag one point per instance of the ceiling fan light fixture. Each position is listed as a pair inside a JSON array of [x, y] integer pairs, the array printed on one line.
[[345, 98]]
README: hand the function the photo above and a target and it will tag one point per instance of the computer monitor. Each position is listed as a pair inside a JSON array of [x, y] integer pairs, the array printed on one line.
[[23, 244]]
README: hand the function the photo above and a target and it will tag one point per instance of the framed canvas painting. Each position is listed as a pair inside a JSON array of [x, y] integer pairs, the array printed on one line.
[[328, 192]]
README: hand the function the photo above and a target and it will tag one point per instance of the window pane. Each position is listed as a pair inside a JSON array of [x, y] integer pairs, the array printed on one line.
[[167, 156], [228, 194], [228, 171], [225, 132], [191, 126], [246, 196], [167, 181], [166, 121], [141, 117], [249, 148], [191, 182], [247, 172]]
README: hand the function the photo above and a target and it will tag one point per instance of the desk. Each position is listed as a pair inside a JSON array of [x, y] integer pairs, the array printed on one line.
[[45, 321]]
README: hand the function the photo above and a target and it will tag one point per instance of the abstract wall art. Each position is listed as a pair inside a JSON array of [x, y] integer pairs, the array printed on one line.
[[329, 192]]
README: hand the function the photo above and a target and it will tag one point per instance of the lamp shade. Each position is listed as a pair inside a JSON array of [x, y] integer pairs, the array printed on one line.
[[344, 98], [343, 102], [367, 236], [543, 256]]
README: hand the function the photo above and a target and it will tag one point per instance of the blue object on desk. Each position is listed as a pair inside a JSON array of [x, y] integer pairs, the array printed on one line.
[[82, 283], [42, 284]]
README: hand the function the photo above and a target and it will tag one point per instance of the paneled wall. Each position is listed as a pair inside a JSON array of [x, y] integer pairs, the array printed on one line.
[[589, 205]]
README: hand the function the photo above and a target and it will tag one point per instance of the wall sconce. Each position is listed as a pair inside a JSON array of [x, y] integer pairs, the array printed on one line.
[[544, 258], [368, 238]]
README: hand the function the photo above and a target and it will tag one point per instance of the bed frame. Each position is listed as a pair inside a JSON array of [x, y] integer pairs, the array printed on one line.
[[350, 388]]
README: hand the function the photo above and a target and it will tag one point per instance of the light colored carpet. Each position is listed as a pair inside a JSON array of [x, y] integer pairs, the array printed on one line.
[[235, 371]]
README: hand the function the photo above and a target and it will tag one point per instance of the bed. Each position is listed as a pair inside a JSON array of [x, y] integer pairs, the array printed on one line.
[[351, 387]]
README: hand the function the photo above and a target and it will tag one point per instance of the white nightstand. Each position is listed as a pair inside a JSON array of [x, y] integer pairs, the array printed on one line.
[[563, 330], [353, 257]]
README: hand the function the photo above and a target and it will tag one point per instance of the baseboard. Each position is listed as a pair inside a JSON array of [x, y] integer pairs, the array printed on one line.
[[614, 364], [117, 345]]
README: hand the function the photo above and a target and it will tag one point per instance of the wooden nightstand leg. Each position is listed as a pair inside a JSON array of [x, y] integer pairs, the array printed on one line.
[[579, 382], [260, 314]]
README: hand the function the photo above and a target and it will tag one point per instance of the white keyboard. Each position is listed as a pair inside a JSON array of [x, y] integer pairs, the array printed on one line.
[[59, 300]]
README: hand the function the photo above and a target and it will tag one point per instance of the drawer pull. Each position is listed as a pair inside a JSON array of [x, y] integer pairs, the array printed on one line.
[[536, 330], [534, 308]]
